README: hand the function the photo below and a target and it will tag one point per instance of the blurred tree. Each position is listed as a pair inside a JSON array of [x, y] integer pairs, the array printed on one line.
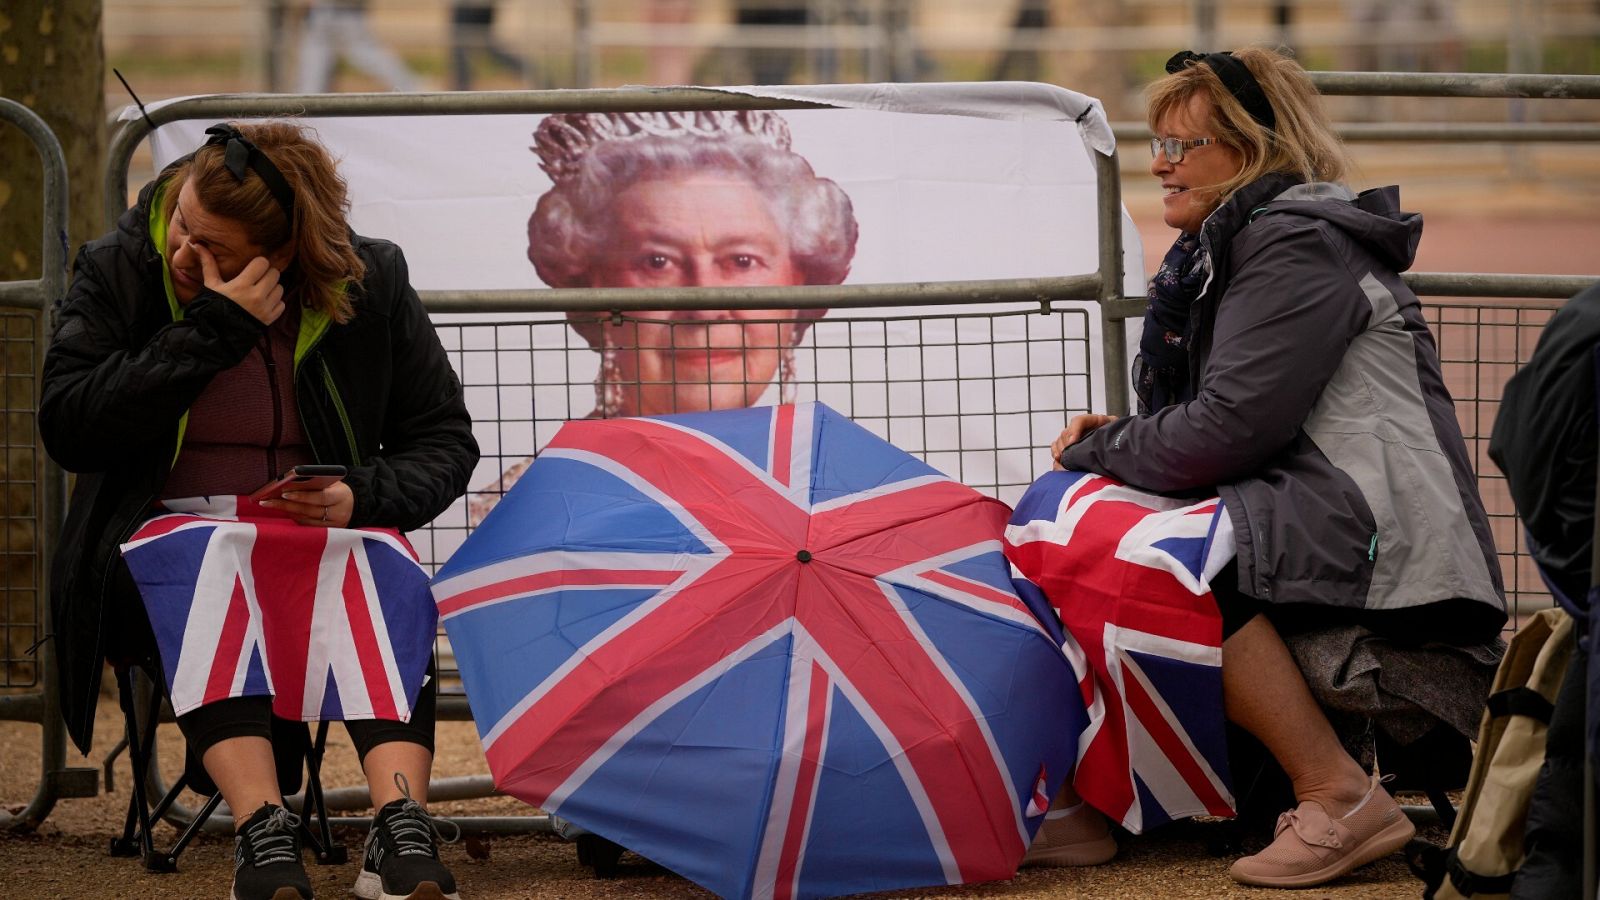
[[51, 61]]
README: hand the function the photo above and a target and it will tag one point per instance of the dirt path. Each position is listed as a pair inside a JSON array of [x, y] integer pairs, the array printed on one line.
[[68, 859]]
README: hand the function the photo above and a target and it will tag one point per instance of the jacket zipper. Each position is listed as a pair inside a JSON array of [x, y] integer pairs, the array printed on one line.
[[338, 407]]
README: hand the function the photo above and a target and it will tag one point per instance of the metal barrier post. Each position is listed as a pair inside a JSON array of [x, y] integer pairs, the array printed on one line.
[[56, 780]]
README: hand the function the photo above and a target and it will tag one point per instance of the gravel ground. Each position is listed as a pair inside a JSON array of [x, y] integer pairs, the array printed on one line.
[[67, 858]]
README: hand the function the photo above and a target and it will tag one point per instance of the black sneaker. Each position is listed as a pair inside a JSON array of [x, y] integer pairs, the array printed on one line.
[[266, 857], [402, 858]]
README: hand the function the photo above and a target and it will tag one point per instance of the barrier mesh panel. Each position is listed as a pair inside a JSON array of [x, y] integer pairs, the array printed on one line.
[[21, 605]]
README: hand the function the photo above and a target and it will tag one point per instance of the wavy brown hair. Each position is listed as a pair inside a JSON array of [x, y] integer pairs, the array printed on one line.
[[1302, 143], [325, 264]]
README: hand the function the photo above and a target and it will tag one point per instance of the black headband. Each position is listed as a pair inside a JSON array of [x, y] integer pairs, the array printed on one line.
[[239, 155], [1236, 77]]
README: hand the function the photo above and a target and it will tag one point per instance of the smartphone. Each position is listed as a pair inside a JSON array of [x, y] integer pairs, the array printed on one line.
[[300, 478]]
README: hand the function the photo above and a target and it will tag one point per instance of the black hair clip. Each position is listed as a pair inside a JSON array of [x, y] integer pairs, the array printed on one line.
[[240, 156], [1236, 77]]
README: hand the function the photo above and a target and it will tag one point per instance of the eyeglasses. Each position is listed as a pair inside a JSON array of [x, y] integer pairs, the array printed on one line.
[[1174, 147]]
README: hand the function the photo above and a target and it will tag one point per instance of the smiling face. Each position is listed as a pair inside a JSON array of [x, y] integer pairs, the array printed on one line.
[[192, 226], [706, 229], [1189, 185]]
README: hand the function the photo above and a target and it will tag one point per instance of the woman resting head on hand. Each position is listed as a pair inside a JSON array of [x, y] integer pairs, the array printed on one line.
[[231, 328]]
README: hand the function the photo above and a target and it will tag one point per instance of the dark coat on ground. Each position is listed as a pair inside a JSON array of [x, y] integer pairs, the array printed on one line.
[[376, 394]]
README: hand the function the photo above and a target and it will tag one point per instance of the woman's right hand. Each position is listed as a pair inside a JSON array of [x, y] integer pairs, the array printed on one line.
[[1076, 428], [255, 288]]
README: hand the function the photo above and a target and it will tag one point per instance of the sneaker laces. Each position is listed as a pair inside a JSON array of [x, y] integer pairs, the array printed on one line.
[[273, 838], [415, 830]]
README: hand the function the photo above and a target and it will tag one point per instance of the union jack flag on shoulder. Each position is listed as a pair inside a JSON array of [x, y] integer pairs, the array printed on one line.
[[332, 623], [1130, 572], [765, 649]]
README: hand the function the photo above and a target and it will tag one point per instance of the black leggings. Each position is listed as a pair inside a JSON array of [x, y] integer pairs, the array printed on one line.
[[235, 717]]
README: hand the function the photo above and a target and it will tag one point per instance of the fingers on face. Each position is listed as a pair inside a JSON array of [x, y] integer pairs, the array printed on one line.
[[208, 264], [257, 270]]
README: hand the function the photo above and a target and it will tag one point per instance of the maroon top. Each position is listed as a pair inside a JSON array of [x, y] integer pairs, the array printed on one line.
[[244, 428]]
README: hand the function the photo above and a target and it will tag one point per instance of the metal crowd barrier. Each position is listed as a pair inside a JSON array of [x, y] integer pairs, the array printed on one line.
[[33, 499], [1044, 295]]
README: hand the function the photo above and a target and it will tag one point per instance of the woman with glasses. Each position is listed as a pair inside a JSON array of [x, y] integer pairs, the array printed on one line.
[[1286, 367]]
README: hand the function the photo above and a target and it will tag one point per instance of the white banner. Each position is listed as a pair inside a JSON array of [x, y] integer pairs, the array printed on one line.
[[999, 182]]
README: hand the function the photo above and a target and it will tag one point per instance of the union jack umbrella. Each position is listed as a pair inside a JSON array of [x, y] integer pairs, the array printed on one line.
[[765, 649], [1129, 572]]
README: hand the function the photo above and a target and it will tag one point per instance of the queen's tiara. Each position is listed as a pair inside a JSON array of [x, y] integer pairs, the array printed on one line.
[[561, 141]]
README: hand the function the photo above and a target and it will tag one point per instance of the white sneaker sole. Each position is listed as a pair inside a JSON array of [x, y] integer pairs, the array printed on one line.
[[369, 886]]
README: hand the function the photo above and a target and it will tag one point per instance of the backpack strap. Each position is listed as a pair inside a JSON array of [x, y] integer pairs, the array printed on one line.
[[1521, 701], [1469, 883]]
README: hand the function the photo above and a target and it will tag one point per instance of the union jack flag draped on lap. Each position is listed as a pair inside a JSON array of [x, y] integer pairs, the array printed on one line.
[[332, 623], [765, 649], [1130, 572]]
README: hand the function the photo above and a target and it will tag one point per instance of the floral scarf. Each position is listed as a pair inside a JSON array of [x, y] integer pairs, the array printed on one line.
[[1161, 373]]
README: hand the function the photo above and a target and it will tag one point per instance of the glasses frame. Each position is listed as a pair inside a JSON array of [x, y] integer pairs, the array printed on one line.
[[1175, 147]]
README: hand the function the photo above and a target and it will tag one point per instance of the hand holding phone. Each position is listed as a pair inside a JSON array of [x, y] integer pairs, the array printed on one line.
[[300, 478]]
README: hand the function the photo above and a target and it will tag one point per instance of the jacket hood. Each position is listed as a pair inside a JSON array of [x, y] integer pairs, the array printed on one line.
[[133, 226], [1373, 218]]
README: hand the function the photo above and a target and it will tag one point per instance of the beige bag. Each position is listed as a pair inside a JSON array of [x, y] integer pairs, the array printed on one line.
[[1486, 844]]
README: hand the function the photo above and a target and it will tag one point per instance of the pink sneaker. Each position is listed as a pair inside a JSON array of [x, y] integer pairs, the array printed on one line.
[[1075, 836], [1310, 848]]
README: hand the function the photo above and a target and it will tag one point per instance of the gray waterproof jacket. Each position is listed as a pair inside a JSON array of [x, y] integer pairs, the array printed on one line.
[[1320, 415]]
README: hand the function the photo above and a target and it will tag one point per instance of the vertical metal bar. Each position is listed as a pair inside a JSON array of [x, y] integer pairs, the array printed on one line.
[[1283, 22], [1112, 331], [49, 481], [1205, 25], [582, 44], [272, 54]]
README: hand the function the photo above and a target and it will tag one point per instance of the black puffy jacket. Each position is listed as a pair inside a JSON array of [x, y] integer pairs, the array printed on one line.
[[376, 394]]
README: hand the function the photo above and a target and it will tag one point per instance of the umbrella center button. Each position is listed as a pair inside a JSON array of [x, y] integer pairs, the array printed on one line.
[[804, 556]]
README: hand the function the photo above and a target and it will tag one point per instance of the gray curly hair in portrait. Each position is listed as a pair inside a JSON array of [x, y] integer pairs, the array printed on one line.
[[592, 157]]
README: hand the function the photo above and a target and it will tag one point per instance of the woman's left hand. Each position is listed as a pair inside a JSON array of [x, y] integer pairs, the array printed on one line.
[[1075, 432], [330, 507]]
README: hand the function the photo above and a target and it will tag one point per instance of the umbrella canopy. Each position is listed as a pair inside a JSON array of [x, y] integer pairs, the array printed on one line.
[[765, 649]]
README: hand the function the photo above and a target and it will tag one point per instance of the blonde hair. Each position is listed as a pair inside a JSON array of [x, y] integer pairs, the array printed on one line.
[[1302, 143], [325, 264]]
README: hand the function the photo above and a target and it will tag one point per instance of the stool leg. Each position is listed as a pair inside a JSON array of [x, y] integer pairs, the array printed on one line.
[[321, 842], [168, 862]]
